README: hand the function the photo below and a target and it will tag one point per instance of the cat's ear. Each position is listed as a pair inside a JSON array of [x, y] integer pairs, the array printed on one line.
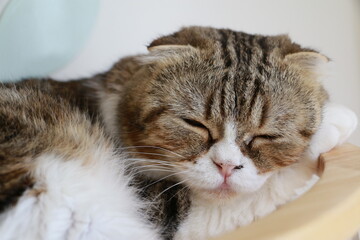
[[166, 53], [185, 42], [310, 61], [172, 47], [189, 36], [169, 48]]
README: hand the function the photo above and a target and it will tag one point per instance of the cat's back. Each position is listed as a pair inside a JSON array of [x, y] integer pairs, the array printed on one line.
[[60, 175], [27, 119]]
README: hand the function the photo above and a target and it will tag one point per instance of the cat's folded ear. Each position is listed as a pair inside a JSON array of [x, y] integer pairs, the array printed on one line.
[[189, 36], [173, 47], [307, 60], [163, 54]]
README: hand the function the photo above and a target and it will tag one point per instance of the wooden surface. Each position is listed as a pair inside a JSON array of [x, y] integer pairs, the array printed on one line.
[[329, 211]]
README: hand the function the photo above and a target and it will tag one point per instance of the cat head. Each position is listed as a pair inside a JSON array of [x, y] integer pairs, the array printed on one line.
[[221, 110]]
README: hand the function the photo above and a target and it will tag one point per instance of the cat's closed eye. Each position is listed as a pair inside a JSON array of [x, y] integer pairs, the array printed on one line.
[[198, 127], [195, 123], [250, 140]]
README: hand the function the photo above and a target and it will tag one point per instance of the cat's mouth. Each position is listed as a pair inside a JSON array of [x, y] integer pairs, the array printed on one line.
[[223, 191], [224, 186]]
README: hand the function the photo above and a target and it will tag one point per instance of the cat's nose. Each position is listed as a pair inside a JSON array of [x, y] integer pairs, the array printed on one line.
[[227, 169]]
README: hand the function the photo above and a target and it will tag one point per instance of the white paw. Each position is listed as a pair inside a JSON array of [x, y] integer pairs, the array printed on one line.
[[337, 125]]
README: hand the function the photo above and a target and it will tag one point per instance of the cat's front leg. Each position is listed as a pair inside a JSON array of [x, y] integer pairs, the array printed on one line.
[[337, 125]]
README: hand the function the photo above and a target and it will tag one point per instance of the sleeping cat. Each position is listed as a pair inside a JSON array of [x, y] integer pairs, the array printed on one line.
[[209, 131]]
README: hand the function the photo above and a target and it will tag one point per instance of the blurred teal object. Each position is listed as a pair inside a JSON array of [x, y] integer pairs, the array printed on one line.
[[38, 37]]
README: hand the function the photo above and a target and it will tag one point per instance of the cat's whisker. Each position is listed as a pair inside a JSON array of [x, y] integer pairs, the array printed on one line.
[[137, 171], [137, 167], [165, 178], [182, 189], [151, 166], [155, 147], [181, 182], [164, 163], [155, 170], [149, 153], [134, 161]]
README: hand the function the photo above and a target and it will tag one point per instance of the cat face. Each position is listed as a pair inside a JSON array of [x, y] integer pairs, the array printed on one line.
[[221, 110]]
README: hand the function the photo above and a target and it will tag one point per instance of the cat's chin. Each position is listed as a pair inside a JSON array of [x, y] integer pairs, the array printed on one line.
[[219, 194], [223, 193]]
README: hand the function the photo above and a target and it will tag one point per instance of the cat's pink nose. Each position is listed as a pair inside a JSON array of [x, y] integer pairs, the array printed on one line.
[[226, 169]]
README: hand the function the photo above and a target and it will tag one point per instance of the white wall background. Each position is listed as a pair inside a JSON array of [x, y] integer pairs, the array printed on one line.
[[330, 26]]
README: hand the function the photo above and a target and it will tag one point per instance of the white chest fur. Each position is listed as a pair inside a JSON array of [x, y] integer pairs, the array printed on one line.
[[77, 199]]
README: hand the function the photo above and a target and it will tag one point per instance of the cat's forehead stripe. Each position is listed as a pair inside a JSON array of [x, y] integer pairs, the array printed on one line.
[[230, 132], [209, 105], [224, 45]]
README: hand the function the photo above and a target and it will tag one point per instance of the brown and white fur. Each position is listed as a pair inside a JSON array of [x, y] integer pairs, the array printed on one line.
[[219, 128], [61, 176]]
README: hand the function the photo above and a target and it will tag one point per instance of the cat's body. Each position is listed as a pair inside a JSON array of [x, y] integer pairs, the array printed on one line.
[[62, 177], [218, 128]]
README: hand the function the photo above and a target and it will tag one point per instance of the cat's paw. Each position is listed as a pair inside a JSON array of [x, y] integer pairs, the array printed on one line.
[[337, 125]]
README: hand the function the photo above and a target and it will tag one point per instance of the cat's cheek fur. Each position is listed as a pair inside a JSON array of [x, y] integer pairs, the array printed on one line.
[[248, 179], [203, 175], [77, 199]]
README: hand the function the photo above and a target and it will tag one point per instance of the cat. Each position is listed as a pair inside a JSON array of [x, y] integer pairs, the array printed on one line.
[[209, 131]]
